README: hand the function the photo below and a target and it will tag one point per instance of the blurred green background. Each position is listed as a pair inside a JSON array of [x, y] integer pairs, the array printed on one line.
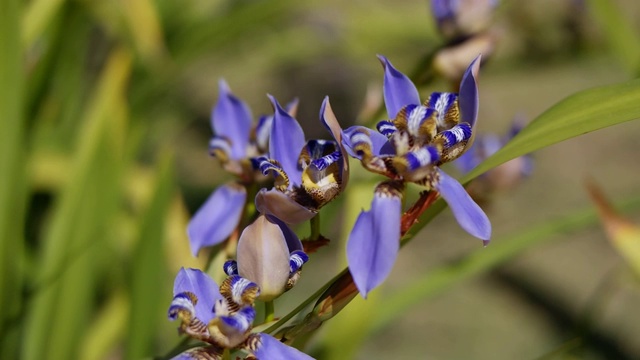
[[103, 154]]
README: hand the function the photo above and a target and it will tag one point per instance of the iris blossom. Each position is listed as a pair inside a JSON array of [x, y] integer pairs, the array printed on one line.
[[270, 255], [222, 317], [235, 143], [308, 174], [410, 147]]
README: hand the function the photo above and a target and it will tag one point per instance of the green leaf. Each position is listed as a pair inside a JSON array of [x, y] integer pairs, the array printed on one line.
[[80, 223], [578, 114], [39, 14], [12, 180], [619, 32], [149, 270]]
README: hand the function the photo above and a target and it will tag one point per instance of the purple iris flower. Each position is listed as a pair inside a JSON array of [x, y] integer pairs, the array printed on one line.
[[235, 143], [222, 317], [410, 147], [308, 174]]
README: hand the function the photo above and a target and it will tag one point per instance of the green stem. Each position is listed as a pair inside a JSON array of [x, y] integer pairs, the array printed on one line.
[[304, 304], [269, 311], [315, 228]]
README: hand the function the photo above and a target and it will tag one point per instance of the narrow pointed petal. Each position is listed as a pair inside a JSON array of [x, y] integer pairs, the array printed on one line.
[[231, 118], [468, 96], [267, 347], [374, 243], [263, 257], [203, 287], [263, 128], [286, 142], [398, 89], [278, 204], [468, 214], [330, 121], [217, 217]]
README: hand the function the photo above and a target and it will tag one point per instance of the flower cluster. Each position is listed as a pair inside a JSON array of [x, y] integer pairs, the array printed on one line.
[[292, 179], [410, 147]]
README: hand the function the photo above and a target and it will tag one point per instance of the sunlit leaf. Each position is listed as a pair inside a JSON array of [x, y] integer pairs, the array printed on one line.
[[144, 28], [71, 248], [623, 234], [37, 17], [148, 268], [107, 329], [12, 178]]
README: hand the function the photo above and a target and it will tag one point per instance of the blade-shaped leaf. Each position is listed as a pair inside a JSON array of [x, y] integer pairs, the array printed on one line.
[[578, 114], [80, 223], [149, 269], [12, 180]]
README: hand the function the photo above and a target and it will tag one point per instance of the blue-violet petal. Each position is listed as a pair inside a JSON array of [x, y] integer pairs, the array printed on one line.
[[217, 217]]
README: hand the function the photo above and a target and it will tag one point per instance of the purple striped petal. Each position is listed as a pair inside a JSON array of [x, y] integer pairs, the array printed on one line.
[[398, 89], [217, 217], [266, 346], [468, 96], [374, 242], [203, 287], [231, 118], [286, 142], [377, 141], [468, 214], [278, 204], [263, 257]]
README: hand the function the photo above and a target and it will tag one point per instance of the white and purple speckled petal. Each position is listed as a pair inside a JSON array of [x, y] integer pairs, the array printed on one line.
[[358, 133], [231, 118], [203, 287], [374, 243], [468, 214], [217, 217], [398, 89], [268, 347], [286, 142]]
